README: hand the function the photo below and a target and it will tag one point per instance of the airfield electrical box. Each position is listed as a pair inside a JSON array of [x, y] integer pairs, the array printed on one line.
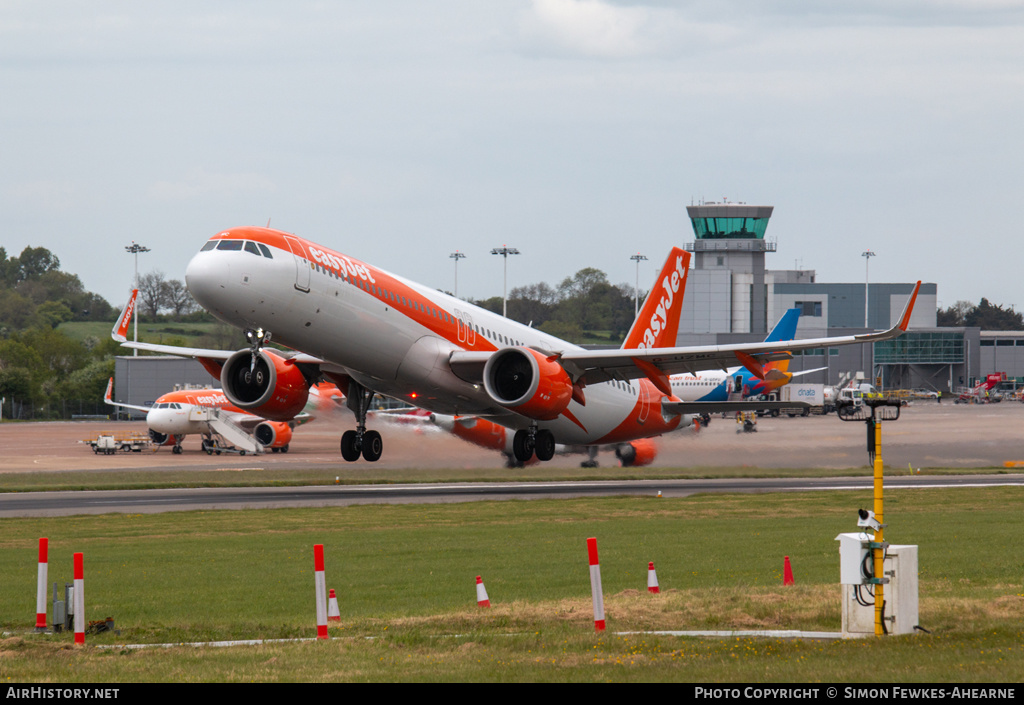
[[899, 568]]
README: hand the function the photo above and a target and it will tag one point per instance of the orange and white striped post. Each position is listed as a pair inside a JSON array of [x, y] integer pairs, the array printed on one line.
[[79, 599], [321, 591], [44, 545], [595, 585]]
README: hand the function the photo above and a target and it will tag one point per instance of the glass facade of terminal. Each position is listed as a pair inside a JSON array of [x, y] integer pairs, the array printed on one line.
[[921, 348], [720, 228]]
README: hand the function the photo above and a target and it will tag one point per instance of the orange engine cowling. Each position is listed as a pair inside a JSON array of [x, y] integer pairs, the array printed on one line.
[[273, 434], [637, 453], [275, 388], [528, 382]]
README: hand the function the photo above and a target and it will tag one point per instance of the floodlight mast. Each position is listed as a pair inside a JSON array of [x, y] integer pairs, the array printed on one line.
[[457, 256], [135, 248], [505, 251], [636, 290]]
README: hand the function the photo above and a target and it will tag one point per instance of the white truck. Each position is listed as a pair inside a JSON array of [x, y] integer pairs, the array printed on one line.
[[813, 394]]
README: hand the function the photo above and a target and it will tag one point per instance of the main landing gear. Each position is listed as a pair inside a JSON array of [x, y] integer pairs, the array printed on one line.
[[369, 444], [526, 442]]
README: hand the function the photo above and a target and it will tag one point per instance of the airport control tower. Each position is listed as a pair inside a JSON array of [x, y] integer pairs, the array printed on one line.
[[730, 236]]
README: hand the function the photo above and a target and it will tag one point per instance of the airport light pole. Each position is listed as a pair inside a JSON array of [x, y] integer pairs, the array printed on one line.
[[457, 256], [636, 291], [135, 248], [505, 251], [867, 255]]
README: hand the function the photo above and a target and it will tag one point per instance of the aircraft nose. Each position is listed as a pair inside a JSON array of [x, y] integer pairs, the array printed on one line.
[[202, 279]]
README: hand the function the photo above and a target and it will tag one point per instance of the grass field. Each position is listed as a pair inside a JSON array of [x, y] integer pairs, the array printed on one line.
[[405, 579]]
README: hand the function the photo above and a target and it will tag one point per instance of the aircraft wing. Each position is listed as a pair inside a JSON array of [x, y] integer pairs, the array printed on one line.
[[108, 397], [674, 408], [593, 366]]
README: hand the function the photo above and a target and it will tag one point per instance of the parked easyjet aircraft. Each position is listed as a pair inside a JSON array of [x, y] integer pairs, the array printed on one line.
[[371, 331], [187, 411]]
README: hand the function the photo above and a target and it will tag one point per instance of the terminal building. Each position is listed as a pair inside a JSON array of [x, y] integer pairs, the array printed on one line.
[[732, 297]]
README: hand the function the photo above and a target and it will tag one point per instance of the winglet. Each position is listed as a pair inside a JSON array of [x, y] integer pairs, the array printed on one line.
[[120, 331], [108, 396], [905, 320]]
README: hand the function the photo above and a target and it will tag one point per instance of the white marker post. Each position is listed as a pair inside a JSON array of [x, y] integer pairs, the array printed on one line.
[[321, 591], [44, 544], [79, 600], [595, 585]]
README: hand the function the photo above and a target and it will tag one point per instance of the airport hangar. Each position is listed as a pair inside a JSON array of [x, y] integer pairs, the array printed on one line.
[[732, 298]]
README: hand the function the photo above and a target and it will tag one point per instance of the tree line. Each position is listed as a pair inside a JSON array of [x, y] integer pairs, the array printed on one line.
[[43, 372], [984, 315], [583, 307]]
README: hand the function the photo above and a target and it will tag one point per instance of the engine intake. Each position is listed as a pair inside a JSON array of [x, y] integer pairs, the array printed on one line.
[[528, 382], [274, 389], [273, 434]]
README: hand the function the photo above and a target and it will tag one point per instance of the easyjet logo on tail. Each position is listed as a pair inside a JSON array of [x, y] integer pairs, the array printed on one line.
[[658, 322], [120, 332]]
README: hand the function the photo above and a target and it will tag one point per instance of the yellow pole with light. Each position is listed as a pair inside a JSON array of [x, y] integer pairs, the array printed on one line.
[[878, 551]]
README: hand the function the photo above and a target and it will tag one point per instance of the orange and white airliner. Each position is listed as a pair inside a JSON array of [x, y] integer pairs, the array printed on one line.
[[208, 412], [373, 332]]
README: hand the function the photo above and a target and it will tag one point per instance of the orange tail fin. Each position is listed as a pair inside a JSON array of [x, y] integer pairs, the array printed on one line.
[[657, 324], [120, 332]]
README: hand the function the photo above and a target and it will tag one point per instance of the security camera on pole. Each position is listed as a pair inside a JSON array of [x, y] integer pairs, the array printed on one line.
[[864, 556]]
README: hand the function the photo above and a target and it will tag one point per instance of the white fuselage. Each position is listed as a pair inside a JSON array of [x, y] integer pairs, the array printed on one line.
[[395, 336]]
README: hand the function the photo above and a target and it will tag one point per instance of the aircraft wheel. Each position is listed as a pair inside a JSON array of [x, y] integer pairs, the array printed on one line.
[[373, 446], [544, 445], [350, 446], [177, 450], [522, 448], [284, 448]]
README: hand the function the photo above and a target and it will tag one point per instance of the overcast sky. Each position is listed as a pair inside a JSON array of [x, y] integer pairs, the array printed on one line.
[[574, 130]]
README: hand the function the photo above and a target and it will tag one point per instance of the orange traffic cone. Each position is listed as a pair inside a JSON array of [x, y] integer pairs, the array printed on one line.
[[333, 613], [481, 593], [787, 573], [652, 579]]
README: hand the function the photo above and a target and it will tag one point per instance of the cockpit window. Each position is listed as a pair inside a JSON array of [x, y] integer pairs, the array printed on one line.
[[210, 244], [265, 250], [251, 247], [229, 245]]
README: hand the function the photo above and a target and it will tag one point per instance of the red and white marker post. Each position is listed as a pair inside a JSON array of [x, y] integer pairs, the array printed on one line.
[[79, 599], [652, 579], [44, 545], [481, 593], [595, 585], [321, 591]]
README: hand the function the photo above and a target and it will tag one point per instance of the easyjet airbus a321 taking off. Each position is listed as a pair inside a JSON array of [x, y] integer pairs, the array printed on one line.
[[370, 331]]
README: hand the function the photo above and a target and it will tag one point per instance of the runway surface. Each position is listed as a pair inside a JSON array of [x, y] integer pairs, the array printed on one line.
[[927, 435], [155, 501]]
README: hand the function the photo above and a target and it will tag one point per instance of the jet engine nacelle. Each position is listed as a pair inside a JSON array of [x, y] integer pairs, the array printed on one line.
[[274, 388], [273, 434], [161, 439], [637, 453], [528, 382]]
